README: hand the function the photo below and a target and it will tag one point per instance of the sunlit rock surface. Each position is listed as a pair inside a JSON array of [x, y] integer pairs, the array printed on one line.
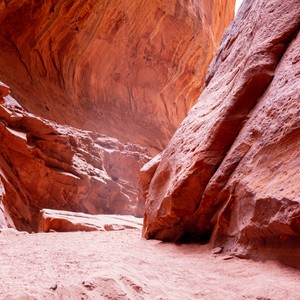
[[232, 168], [127, 69], [66, 221], [46, 165]]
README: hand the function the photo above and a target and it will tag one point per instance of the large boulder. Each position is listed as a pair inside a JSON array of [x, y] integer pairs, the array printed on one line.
[[46, 165], [128, 69], [232, 168]]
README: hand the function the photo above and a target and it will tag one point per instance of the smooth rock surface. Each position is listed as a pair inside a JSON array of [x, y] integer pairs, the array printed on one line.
[[233, 165], [46, 165], [65, 221], [127, 69]]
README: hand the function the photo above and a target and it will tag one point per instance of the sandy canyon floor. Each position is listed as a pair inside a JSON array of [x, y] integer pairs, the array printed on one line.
[[122, 265]]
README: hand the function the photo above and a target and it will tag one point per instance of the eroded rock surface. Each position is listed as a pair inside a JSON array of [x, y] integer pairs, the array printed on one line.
[[45, 165], [128, 69], [233, 165], [66, 221]]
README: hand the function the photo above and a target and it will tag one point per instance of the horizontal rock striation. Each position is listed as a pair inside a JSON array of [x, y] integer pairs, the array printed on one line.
[[46, 165], [232, 168], [127, 69], [65, 221]]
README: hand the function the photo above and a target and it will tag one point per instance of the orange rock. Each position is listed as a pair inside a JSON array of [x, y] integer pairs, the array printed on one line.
[[107, 65], [45, 165], [232, 167]]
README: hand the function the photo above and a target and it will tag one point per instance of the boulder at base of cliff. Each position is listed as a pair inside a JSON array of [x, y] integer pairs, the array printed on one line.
[[65, 221]]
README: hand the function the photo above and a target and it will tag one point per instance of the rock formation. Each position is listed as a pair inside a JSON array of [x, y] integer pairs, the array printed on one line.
[[65, 221], [46, 165], [231, 171], [127, 69]]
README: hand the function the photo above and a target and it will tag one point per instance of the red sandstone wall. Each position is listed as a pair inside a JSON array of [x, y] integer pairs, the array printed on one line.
[[128, 69]]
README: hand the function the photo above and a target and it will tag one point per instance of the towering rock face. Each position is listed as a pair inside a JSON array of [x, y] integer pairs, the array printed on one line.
[[128, 69], [232, 168], [46, 165]]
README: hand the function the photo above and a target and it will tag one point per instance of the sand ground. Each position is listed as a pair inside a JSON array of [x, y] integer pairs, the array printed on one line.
[[122, 265]]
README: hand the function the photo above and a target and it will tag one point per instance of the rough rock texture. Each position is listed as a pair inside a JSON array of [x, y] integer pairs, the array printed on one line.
[[109, 65], [233, 165], [65, 221], [45, 165]]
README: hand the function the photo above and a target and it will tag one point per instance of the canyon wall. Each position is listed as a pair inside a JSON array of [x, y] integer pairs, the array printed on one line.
[[127, 69], [231, 171], [46, 165]]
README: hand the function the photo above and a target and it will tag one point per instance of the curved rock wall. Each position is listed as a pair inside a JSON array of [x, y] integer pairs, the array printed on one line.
[[46, 165], [128, 69], [232, 167]]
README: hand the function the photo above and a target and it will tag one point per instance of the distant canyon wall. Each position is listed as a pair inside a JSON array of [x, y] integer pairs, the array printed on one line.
[[231, 171], [47, 165], [127, 69]]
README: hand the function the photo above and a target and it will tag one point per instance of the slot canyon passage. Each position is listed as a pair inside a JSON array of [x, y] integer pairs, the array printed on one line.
[[150, 149]]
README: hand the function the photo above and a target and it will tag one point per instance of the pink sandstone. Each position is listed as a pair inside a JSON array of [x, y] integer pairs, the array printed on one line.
[[231, 171]]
